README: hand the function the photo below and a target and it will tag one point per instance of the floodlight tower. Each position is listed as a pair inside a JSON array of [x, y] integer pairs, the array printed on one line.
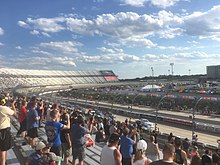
[[152, 71], [189, 71], [172, 64]]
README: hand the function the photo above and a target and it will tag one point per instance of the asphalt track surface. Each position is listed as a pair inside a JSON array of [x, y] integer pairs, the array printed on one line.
[[176, 130]]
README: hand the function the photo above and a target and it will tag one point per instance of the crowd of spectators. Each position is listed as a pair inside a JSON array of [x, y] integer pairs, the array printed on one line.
[[66, 134]]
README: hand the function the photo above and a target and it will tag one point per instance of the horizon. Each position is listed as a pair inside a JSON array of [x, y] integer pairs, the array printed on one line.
[[129, 37]]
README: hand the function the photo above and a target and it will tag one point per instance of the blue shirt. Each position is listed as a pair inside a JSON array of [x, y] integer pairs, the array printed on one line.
[[126, 146], [77, 135], [31, 116], [53, 132]]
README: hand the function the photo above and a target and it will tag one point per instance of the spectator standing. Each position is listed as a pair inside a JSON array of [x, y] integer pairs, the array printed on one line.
[[77, 132], [110, 154], [215, 159], [196, 160], [65, 135], [52, 129], [22, 119], [139, 158], [5, 133], [168, 156], [32, 123], [40, 111], [194, 152], [206, 158], [186, 145], [113, 128], [126, 147], [180, 155], [152, 150]]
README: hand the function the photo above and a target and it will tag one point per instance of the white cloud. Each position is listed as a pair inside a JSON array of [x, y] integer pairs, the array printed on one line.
[[1, 31], [109, 58], [23, 24], [158, 3], [1, 44], [137, 41], [136, 3], [64, 47], [41, 52], [164, 3], [107, 50], [18, 47], [173, 48], [203, 24], [43, 26]]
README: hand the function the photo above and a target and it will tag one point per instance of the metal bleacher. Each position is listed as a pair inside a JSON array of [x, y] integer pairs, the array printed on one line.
[[92, 153]]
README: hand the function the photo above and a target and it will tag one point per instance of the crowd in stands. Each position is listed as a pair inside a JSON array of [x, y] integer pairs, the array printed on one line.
[[70, 133]]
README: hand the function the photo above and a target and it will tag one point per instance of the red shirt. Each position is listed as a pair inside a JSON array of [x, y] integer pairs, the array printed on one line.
[[22, 114]]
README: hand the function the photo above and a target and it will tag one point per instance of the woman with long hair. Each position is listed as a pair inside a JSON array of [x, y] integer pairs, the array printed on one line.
[[139, 158]]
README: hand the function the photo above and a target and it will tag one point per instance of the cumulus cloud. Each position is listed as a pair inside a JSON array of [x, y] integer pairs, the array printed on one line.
[[64, 47], [203, 24], [107, 50], [1, 31], [109, 58], [43, 25], [158, 3], [18, 47]]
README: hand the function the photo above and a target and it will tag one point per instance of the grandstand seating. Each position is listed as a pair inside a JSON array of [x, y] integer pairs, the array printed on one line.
[[11, 78]]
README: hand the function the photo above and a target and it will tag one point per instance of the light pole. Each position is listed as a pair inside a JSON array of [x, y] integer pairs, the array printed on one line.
[[157, 109], [189, 71], [172, 64], [193, 117], [152, 71]]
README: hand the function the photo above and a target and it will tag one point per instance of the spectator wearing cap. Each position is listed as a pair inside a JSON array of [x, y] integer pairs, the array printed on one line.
[[126, 147], [52, 129], [152, 150], [139, 158], [180, 155], [5, 133], [77, 132], [168, 156], [110, 154], [36, 157]]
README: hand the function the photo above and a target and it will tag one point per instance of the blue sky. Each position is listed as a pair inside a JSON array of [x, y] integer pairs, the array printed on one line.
[[126, 36]]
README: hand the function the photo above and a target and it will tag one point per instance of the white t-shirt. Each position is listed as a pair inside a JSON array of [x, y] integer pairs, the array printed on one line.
[[5, 112]]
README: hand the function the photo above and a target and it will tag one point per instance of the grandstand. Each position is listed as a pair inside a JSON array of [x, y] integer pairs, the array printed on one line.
[[11, 78]]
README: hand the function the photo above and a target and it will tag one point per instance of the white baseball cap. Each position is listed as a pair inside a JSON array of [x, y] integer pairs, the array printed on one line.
[[141, 145]]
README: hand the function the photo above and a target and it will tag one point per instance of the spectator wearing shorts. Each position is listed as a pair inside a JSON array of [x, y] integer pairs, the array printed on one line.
[[32, 123], [5, 133], [52, 129], [65, 135], [77, 132]]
